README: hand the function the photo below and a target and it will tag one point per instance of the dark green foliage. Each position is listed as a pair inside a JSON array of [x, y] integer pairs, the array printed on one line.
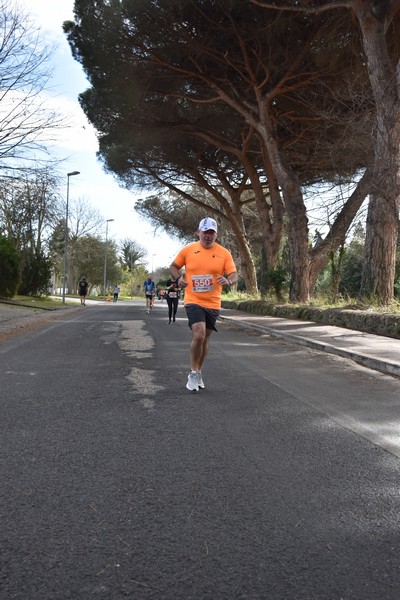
[[9, 268], [157, 92], [277, 278], [163, 283], [351, 268], [36, 275]]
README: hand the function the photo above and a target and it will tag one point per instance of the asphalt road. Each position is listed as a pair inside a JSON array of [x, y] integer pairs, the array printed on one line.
[[116, 482]]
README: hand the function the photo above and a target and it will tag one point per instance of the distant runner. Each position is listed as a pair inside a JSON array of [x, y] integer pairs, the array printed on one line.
[[83, 290], [116, 291], [172, 294], [150, 290]]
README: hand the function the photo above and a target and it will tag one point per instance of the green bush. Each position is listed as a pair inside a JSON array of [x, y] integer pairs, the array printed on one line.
[[9, 268], [36, 275]]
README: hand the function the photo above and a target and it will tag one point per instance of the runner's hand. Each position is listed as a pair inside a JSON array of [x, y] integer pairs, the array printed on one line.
[[182, 283], [223, 280]]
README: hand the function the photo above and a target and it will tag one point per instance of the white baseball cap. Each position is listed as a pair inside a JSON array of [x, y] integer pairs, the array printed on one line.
[[208, 223]]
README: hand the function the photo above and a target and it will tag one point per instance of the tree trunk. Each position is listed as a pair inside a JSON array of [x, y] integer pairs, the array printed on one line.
[[300, 289], [248, 270], [270, 213], [300, 282], [383, 213], [275, 217], [380, 251]]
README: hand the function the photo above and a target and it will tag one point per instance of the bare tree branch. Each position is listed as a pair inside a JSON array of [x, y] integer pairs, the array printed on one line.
[[24, 75]]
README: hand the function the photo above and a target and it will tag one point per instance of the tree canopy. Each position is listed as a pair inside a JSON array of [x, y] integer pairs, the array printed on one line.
[[232, 96]]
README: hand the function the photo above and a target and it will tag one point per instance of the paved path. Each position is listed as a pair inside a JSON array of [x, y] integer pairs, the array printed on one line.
[[276, 483], [373, 351]]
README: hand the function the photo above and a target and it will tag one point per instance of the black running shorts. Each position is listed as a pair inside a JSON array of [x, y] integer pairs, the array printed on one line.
[[199, 314]]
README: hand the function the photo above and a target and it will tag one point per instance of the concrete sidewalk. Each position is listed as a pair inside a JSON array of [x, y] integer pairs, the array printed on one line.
[[373, 351]]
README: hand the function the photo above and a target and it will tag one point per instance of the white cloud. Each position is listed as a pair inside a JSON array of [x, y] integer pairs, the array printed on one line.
[[78, 132], [49, 14]]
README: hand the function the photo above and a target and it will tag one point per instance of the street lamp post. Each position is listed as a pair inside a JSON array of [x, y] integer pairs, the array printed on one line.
[[66, 234], [152, 264], [105, 257], [131, 275]]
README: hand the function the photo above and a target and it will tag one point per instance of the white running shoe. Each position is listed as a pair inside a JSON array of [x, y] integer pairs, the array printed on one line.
[[200, 381], [192, 382]]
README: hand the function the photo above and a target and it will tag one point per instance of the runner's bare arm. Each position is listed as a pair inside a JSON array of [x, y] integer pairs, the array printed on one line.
[[175, 274]]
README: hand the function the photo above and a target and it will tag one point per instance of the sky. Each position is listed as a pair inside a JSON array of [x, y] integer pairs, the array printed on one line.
[[78, 144]]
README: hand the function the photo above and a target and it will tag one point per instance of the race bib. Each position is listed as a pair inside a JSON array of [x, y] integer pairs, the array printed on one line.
[[202, 283], [173, 294]]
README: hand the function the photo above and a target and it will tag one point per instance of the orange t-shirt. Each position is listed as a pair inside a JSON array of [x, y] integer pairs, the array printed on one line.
[[202, 265]]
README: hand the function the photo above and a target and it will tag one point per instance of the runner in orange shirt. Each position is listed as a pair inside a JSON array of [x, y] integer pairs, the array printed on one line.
[[208, 267]]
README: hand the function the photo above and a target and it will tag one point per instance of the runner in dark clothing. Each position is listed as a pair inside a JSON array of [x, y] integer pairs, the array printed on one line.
[[172, 294], [83, 289]]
